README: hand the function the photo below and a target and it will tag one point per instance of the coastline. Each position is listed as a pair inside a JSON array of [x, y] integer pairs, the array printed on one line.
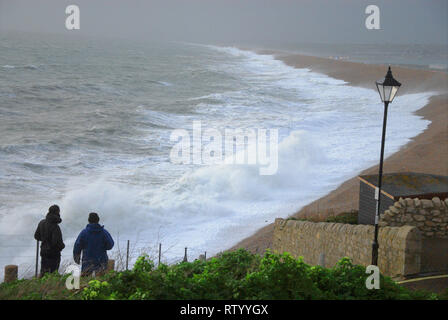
[[425, 153]]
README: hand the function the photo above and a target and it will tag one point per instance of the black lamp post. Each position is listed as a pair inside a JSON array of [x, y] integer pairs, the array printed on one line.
[[387, 88]]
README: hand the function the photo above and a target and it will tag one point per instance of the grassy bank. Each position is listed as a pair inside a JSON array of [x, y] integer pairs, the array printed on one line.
[[232, 275], [350, 217]]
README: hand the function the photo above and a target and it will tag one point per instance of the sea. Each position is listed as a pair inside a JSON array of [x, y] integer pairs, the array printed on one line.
[[86, 123]]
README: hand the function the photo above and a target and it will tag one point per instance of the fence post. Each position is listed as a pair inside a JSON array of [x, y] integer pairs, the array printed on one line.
[[11, 272], [160, 253], [110, 265], [37, 259], [322, 260], [185, 256], [127, 256]]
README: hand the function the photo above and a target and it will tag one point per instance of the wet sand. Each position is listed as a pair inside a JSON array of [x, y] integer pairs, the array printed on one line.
[[426, 153]]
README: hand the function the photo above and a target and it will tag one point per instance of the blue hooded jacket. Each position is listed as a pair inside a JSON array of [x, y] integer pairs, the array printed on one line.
[[93, 241]]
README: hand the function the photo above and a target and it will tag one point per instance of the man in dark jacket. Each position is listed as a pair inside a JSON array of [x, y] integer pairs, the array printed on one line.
[[49, 233], [93, 241]]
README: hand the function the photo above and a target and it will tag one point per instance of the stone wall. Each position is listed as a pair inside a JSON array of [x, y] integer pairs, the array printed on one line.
[[429, 216], [399, 252]]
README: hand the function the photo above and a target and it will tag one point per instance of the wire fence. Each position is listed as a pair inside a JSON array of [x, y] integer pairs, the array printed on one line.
[[124, 253]]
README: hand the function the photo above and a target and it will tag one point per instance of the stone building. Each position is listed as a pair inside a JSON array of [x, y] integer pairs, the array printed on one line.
[[396, 186], [411, 199], [413, 233]]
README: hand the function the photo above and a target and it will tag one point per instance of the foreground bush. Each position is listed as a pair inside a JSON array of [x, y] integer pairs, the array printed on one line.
[[49, 287], [242, 275], [232, 275]]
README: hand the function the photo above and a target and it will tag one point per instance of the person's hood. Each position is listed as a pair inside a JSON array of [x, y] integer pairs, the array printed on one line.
[[53, 217], [94, 227]]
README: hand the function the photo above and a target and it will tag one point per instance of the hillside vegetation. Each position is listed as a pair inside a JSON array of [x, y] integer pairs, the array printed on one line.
[[231, 275]]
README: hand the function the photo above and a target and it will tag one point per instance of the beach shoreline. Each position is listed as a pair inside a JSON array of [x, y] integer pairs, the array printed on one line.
[[425, 153]]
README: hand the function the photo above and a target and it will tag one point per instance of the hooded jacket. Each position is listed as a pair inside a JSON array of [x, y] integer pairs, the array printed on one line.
[[93, 241], [49, 233]]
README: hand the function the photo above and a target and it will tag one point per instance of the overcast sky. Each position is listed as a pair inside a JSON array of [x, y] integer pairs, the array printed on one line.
[[252, 21]]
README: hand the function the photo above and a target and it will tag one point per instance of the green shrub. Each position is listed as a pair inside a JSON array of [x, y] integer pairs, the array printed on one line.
[[345, 217], [279, 277], [350, 217], [143, 264], [49, 287], [231, 275], [242, 275]]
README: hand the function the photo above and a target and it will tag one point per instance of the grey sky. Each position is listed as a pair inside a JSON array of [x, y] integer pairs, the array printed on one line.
[[251, 21]]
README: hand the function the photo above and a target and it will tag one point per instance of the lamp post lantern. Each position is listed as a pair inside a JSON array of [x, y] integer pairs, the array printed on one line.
[[387, 88]]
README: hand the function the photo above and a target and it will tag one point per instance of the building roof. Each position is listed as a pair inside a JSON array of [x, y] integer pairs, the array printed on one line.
[[409, 184]]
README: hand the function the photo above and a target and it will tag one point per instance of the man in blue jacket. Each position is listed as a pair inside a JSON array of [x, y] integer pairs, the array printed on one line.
[[93, 241]]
